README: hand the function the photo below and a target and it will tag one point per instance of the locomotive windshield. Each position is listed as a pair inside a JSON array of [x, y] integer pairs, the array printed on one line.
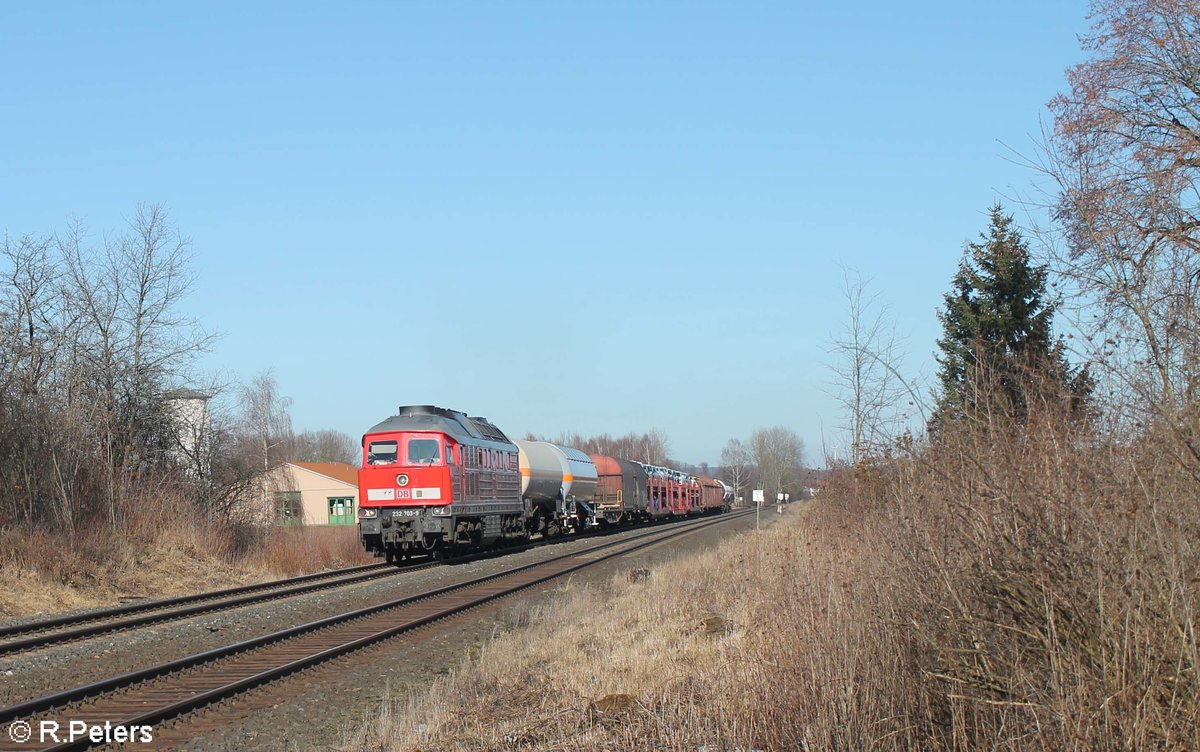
[[423, 450], [381, 453]]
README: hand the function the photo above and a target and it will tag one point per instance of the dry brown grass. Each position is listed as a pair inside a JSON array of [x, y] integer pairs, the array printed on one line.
[[725, 649], [1004, 589], [288, 551], [43, 573], [157, 553]]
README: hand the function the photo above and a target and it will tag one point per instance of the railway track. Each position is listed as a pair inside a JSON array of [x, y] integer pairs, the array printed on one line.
[[160, 693], [46, 632]]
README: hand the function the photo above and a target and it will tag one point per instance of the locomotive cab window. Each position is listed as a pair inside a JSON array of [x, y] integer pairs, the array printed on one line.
[[423, 451], [382, 453]]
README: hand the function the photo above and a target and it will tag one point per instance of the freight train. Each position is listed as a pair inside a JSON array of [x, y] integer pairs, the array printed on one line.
[[438, 482]]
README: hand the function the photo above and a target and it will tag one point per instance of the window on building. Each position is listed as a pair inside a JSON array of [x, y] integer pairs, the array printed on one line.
[[289, 508]]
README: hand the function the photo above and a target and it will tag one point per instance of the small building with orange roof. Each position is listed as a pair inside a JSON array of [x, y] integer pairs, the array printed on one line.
[[315, 493]]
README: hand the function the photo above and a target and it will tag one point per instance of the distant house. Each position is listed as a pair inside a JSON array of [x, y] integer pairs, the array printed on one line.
[[315, 493]]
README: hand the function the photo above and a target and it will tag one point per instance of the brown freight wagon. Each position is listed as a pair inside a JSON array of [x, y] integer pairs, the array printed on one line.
[[712, 494], [620, 490]]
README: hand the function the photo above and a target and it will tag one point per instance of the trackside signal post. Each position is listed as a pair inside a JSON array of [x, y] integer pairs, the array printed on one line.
[[758, 502]]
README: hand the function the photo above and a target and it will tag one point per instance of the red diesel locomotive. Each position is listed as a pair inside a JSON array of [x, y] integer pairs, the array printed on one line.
[[432, 479]]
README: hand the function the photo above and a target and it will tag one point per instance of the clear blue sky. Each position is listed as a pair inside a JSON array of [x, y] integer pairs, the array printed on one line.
[[563, 216]]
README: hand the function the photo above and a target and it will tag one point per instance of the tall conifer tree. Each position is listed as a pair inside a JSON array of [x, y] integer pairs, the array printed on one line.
[[997, 328]]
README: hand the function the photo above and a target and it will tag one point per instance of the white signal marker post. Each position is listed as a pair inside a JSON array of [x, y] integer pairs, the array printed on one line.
[[759, 498]]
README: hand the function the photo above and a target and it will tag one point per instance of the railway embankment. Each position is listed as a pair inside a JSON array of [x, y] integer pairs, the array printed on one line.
[[298, 714], [955, 598], [42, 573], [678, 653]]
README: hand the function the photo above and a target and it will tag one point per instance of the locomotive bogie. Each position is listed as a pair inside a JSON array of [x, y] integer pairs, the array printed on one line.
[[401, 532]]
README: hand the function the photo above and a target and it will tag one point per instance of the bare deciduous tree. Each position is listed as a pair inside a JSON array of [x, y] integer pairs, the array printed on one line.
[[90, 340], [651, 447], [131, 340], [28, 345], [325, 446], [266, 427], [778, 454], [736, 459], [1125, 156], [34, 386], [865, 379], [265, 419]]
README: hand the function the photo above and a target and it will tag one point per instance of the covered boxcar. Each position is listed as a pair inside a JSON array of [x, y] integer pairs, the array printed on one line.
[[712, 494], [621, 490]]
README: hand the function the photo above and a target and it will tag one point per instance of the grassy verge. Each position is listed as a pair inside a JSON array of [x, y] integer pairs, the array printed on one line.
[[714, 651], [155, 554]]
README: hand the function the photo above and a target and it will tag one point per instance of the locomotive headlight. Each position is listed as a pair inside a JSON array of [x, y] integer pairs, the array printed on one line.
[[367, 512], [402, 479]]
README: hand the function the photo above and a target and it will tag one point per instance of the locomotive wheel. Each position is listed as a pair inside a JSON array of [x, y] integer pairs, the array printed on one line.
[[391, 556]]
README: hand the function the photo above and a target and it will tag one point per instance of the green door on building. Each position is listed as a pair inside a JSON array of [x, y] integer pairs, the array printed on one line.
[[341, 510]]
